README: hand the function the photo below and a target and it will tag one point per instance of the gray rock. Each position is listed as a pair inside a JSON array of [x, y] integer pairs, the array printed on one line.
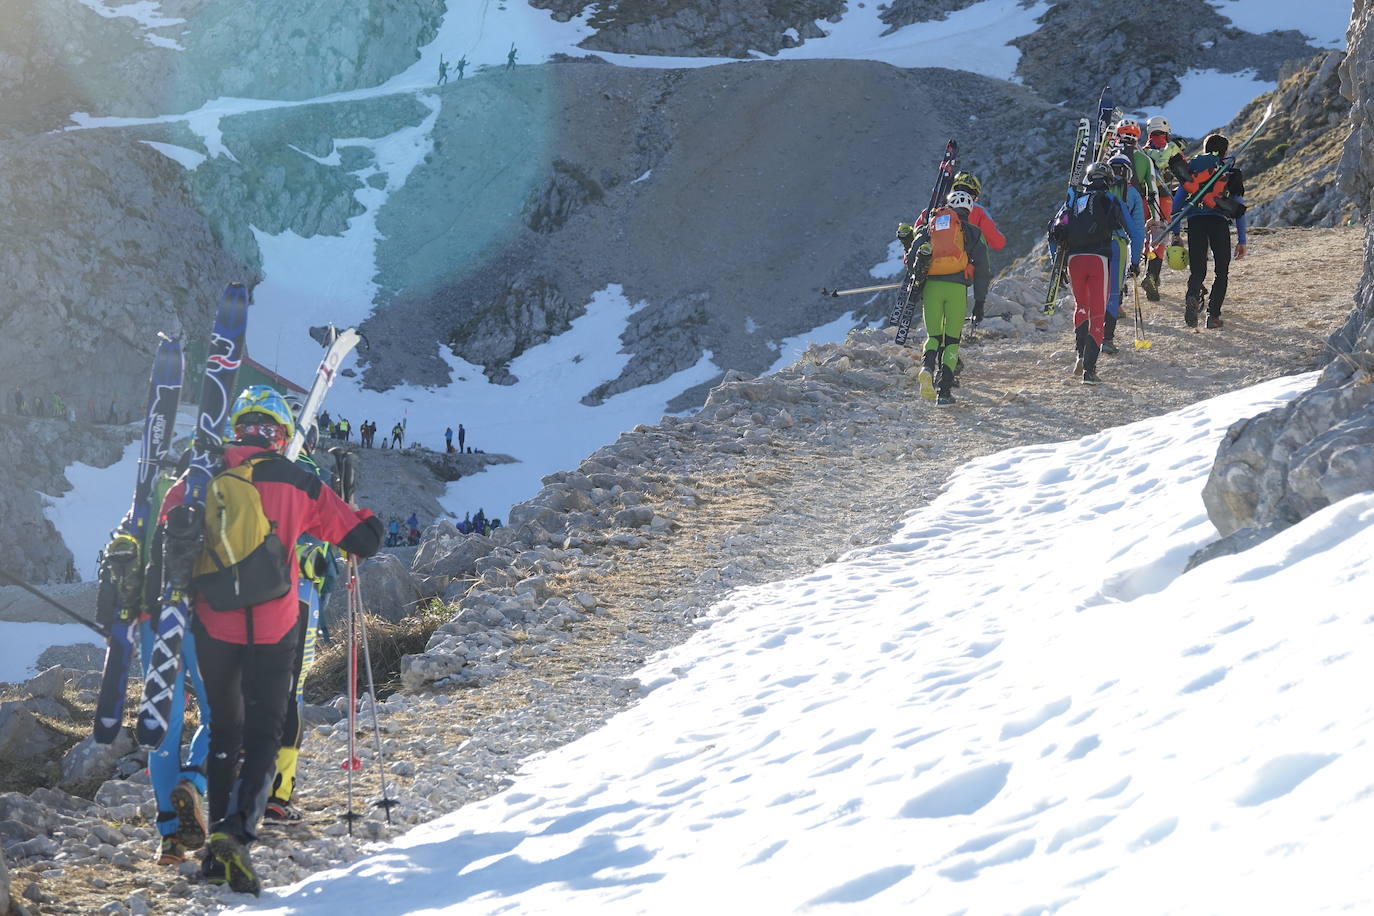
[[460, 560], [48, 683], [4, 886], [78, 657], [320, 715], [43, 846], [88, 761], [22, 737], [634, 517], [116, 792]]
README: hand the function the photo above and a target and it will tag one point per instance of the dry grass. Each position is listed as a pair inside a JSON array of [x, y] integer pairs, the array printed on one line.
[[387, 642]]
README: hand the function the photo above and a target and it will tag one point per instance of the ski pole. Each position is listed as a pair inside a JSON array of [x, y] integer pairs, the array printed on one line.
[[862, 289], [352, 764], [387, 802], [61, 607]]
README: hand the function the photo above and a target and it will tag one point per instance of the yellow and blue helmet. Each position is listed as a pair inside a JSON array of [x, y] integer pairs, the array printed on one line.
[[258, 405]]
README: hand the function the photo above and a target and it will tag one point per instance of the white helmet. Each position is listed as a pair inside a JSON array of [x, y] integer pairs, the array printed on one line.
[[1158, 125], [960, 200]]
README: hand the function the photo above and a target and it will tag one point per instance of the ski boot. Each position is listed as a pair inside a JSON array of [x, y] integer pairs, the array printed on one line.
[[238, 865], [1108, 333], [278, 810], [1191, 305], [1150, 283], [946, 397], [1090, 377], [190, 810], [927, 377], [171, 852]]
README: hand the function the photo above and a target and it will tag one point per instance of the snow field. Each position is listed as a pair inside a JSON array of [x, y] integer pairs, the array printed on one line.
[[22, 643], [1016, 706]]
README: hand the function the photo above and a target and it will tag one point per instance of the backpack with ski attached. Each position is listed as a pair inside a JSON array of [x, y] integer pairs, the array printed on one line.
[[1201, 189], [919, 251]]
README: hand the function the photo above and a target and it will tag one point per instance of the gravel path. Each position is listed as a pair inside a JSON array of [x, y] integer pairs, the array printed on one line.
[[770, 479]]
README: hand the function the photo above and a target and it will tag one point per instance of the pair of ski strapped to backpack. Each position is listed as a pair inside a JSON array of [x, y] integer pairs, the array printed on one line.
[[921, 254]]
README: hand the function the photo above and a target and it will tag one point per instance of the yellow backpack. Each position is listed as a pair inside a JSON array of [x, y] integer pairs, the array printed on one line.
[[243, 562]]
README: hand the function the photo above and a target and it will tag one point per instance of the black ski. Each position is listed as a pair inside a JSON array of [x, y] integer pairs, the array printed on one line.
[[119, 613], [1082, 145], [216, 395], [918, 255]]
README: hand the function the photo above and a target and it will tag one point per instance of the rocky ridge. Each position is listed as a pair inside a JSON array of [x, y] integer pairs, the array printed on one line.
[[1290, 169], [1280, 467]]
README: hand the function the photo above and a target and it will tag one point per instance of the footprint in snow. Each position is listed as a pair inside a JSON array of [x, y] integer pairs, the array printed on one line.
[[1280, 776], [863, 887], [962, 794], [1215, 676], [1019, 727]]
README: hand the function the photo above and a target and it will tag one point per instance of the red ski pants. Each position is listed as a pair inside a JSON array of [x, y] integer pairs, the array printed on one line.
[[1088, 275]]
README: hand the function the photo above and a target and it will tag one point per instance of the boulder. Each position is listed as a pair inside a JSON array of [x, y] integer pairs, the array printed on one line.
[[48, 683], [23, 738], [388, 589], [461, 559], [88, 761], [4, 886]]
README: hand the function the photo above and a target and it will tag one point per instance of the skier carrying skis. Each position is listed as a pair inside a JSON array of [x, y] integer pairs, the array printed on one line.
[[1209, 227], [247, 654], [1085, 226], [958, 259], [1125, 242], [1167, 155]]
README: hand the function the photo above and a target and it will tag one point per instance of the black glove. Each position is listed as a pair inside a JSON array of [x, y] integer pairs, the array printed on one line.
[[1134, 269], [977, 314]]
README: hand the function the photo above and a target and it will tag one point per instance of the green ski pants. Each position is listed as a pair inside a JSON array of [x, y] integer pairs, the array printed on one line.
[[944, 303]]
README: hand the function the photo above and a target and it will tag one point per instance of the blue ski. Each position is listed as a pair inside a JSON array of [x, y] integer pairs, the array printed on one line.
[[164, 393], [217, 393]]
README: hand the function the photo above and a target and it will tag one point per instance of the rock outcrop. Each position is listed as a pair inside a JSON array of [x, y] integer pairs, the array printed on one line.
[[35, 453], [1141, 49], [1280, 467], [703, 28], [1290, 169], [67, 58]]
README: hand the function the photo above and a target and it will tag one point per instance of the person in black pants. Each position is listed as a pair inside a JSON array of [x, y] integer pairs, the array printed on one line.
[[1209, 229]]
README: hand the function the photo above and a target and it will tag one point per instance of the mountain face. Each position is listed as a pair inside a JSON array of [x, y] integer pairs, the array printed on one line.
[[722, 197]]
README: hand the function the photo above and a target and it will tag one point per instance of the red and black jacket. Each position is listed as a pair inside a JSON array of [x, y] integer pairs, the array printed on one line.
[[296, 502]]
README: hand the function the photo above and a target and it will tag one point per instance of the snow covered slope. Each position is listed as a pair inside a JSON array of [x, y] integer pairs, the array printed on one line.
[[1016, 706]]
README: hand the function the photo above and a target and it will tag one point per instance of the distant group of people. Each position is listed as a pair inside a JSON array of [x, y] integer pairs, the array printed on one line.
[[342, 430], [409, 536], [462, 64], [56, 407], [448, 439], [478, 524]]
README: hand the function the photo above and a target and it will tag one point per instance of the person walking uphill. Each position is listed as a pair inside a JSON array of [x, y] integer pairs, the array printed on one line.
[[958, 259], [246, 613], [1086, 225], [1209, 227]]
